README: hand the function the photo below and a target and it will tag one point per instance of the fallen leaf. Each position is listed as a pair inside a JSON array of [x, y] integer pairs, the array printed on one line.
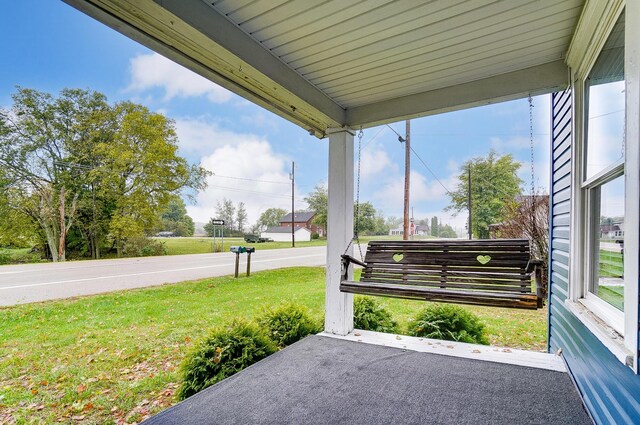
[[398, 337], [356, 334], [80, 388], [506, 350], [476, 351]]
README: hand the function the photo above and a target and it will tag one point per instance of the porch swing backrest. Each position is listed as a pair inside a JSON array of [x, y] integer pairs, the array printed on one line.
[[493, 272]]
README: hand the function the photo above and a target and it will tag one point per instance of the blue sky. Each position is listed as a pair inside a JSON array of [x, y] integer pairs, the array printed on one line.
[[48, 46]]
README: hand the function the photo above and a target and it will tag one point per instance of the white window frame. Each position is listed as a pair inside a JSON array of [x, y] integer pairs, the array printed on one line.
[[618, 331]]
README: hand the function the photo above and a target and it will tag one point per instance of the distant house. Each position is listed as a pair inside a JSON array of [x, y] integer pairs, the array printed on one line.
[[302, 220], [611, 231], [283, 234], [420, 230]]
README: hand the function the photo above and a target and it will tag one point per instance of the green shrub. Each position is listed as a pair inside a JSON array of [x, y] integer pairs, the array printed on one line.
[[288, 323], [369, 315], [223, 353], [315, 236], [5, 257], [143, 247], [449, 322]]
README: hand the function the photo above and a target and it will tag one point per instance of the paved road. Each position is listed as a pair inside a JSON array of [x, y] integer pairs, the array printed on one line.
[[39, 282]]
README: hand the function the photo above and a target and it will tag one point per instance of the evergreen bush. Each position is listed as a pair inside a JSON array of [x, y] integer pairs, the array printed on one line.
[[449, 322], [288, 323], [223, 353], [370, 315]]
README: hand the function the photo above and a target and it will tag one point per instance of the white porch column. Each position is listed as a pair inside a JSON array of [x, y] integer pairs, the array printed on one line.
[[338, 305], [632, 174]]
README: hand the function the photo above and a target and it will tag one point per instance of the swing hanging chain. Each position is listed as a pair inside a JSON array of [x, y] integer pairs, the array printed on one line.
[[533, 187], [356, 235]]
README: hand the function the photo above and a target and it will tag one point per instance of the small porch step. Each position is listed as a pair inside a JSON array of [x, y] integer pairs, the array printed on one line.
[[487, 353]]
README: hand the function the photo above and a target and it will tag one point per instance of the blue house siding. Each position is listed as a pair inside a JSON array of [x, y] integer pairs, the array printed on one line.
[[610, 390]]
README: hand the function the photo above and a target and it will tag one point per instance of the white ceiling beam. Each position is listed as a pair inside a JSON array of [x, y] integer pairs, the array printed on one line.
[[219, 29], [194, 35], [536, 80]]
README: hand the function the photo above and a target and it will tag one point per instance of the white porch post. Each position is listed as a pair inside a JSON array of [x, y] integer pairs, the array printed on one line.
[[338, 305], [632, 153]]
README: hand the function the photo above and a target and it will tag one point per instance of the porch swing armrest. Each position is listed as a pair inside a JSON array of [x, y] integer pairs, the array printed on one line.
[[348, 259], [533, 265]]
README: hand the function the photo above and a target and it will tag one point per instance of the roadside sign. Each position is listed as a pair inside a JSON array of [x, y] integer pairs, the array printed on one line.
[[217, 222]]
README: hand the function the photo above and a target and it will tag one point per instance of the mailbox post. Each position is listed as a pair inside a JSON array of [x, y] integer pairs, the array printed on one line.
[[242, 250]]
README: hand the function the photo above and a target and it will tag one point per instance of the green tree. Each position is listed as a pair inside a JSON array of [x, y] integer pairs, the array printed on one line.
[[76, 160], [226, 211], [494, 183], [318, 201], [447, 231], [174, 218], [38, 136], [212, 229], [241, 217], [366, 218], [16, 228], [435, 231], [271, 217]]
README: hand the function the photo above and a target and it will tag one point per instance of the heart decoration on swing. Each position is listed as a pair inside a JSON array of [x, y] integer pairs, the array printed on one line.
[[483, 259], [397, 257]]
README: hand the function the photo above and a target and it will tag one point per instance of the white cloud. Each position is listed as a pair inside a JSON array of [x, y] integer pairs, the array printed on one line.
[[155, 71], [374, 161], [201, 137], [513, 143], [391, 195], [245, 157]]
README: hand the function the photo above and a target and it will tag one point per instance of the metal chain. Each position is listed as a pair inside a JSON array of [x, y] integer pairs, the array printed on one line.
[[356, 235], [624, 133], [533, 187]]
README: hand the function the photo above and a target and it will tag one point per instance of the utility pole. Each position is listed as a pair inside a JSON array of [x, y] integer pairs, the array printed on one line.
[[469, 199], [293, 210], [407, 173]]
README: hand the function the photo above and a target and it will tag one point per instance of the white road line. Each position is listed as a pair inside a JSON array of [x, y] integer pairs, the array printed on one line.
[[154, 272]]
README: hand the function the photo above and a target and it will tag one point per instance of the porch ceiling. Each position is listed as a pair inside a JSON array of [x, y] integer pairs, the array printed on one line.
[[334, 63]]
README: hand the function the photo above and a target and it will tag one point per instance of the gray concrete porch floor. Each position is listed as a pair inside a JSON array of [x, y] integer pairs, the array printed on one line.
[[322, 380]]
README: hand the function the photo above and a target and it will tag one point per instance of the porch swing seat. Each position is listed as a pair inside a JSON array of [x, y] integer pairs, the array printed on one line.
[[491, 272]]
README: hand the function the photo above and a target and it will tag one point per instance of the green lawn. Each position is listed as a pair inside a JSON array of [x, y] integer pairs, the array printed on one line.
[[18, 256], [611, 264], [614, 295], [178, 246], [115, 357]]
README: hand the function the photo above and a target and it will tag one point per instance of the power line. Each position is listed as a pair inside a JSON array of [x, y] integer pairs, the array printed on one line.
[[401, 139], [251, 180], [373, 138], [429, 169], [234, 189]]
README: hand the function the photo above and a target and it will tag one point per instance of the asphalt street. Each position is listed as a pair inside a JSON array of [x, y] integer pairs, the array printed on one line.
[[39, 282]]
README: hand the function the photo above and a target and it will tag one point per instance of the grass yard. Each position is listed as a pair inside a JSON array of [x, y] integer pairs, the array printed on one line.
[[611, 264], [179, 246], [115, 358], [18, 256]]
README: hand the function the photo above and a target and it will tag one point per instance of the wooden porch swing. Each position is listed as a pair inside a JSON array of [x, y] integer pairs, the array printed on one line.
[[488, 272]]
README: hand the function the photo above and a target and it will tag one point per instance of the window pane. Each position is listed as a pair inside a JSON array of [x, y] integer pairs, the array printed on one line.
[[609, 282], [605, 88]]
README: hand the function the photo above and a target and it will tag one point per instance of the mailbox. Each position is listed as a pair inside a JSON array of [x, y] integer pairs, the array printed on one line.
[[243, 250]]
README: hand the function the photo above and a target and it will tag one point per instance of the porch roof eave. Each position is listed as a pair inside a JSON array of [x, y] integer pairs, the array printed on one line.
[[193, 34]]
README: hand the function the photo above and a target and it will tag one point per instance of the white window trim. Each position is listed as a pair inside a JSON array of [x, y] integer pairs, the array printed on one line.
[[600, 318]]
